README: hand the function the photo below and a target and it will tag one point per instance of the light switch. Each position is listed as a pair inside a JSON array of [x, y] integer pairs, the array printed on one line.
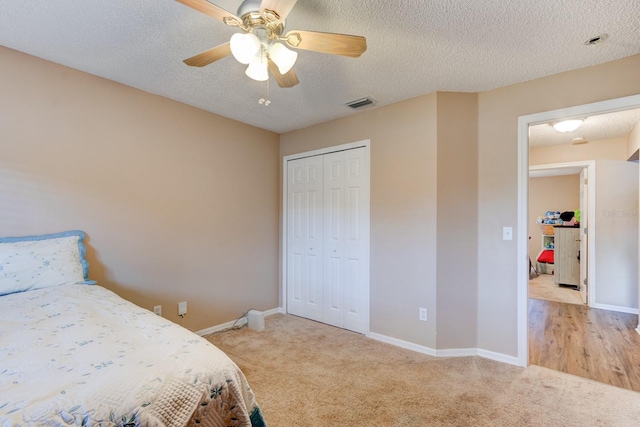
[[507, 233]]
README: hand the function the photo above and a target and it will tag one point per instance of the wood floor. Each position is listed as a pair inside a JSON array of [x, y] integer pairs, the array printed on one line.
[[543, 287], [597, 344]]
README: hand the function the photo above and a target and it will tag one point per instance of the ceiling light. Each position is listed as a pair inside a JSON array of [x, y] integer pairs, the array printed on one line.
[[257, 69], [567, 125], [281, 56], [244, 47]]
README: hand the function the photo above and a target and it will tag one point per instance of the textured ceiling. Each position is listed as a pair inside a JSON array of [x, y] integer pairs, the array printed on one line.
[[414, 47], [602, 126]]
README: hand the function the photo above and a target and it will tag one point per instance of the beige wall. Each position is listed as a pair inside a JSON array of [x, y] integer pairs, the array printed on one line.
[[403, 208], [498, 176], [603, 149], [616, 233], [560, 193], [457, 288], [423, 216], [178, 204]]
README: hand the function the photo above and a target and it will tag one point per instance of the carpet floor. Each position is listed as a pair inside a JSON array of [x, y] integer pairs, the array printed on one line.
[[309, 374]]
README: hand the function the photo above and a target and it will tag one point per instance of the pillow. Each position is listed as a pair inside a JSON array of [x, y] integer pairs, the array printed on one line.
[[35, 262]]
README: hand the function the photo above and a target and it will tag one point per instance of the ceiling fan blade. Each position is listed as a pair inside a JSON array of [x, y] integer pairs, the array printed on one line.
[[281, 7], [209, 56], [212, 10], [284, 80], [336, 44]]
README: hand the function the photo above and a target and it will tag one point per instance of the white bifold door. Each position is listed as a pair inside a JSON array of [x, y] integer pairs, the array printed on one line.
[[327, 252]]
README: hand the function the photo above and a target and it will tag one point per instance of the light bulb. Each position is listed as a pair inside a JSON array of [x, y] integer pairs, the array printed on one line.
[[283, 57], [567, 125], [257, 69], [244, 47]]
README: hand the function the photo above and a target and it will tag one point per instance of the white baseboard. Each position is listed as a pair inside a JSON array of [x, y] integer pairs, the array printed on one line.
[[499, 357], [638, 329], [457, 352], [447, 352], [277, 310], [241, 322], [403, 344], [617, 308]]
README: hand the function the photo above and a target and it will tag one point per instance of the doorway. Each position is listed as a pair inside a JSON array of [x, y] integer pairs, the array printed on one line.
[[558, 191], [524, 123], [597, 342]]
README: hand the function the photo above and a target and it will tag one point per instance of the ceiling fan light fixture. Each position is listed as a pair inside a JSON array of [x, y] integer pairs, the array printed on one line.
[[257, 69], [567, 125], [262, 23], [248, 6], [283, 57], [244, 47]]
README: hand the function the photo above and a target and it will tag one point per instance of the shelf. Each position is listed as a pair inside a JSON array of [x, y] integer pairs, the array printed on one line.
[[548, 239]]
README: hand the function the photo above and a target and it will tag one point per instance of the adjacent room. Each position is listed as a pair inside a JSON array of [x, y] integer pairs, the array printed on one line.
[[295, 213], [585, 261]]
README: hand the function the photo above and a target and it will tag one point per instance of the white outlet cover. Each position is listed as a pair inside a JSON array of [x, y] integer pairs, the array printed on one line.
[[182, 308]]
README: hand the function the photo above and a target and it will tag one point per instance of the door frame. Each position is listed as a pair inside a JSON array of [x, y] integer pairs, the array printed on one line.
[[590, 166], [580, 111], [366, 144]]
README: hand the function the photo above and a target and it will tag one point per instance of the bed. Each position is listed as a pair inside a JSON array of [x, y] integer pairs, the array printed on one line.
[[74, 353]]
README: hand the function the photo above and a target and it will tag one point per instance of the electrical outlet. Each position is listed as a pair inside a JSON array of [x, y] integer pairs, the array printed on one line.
[[423, 314], [182, 308], [157, 310]]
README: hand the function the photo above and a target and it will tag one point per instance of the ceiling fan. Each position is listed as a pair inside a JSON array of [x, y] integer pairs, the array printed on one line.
[[263, 44]]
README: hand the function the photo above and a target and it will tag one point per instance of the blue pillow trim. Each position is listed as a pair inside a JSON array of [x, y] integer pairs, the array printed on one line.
[[82, 249]]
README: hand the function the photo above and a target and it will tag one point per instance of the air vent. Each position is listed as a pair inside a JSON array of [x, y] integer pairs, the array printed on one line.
[[597, 39], [359, 103]]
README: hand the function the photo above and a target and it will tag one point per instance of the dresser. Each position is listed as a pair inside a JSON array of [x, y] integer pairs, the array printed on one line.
[[567, 250]]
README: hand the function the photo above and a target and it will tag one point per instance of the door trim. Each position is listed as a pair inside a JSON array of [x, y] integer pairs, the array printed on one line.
[[608, 106], [283, 218]]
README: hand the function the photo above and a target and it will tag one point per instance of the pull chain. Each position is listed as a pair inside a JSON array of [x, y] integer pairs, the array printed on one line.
[[265, 101]]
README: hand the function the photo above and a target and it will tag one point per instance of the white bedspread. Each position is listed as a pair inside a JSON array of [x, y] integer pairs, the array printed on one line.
[[81, 355]]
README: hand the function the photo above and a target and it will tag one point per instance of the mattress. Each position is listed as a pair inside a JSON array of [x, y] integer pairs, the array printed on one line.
[[81, 355]]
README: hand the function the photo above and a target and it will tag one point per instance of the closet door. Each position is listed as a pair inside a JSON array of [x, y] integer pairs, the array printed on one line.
[[327, 221], [346, 240], [304, 237]]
